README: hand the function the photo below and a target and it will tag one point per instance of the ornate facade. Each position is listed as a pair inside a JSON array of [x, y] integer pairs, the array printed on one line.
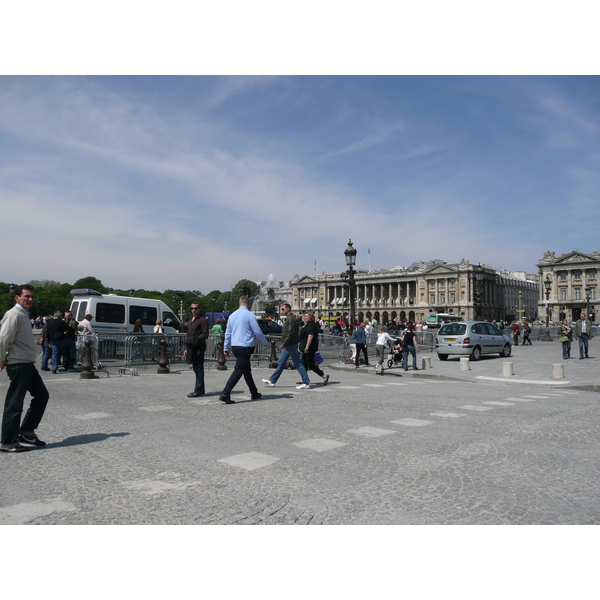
[[464, 289], [574, 278]]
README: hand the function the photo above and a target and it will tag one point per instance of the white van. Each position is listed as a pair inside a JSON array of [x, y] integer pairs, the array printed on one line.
[[112, 313]]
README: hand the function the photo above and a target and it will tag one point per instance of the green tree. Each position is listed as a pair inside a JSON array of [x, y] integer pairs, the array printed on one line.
[[90, 283], [238, 290]]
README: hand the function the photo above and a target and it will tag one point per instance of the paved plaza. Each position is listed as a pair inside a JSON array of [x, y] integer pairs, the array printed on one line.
[[434, 446]]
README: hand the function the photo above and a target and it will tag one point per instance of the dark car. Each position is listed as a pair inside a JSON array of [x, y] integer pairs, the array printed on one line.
[[269, 327]]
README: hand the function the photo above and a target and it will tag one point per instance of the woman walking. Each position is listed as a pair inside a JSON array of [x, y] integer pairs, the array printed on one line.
[[309, 344], [566, 337], [410, 345]]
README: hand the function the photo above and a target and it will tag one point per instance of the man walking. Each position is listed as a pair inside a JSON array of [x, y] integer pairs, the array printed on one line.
[[242, 328], [18, 354], [583, 332], [360, 337], [195, 347], [290, 336]]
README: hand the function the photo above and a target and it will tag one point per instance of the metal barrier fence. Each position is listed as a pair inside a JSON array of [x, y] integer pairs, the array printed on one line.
[[538, 333], [131, 349]]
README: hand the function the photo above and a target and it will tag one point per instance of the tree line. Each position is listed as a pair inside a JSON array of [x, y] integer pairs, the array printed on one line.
[[52, 295]]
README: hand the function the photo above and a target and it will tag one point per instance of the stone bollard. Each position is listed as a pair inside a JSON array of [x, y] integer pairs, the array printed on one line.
[[558, 371], [86, 362], [163, 359], [465, 363], [221, 360], [507, 369], [426, 362], [274, 361]]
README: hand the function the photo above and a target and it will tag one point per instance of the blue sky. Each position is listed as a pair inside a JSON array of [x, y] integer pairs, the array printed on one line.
[[194, 182]]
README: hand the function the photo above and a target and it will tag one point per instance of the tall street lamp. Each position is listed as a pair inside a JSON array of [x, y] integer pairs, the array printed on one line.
[[588, 291], [213, 309], [477, 295], [548, 286], [350, 254]]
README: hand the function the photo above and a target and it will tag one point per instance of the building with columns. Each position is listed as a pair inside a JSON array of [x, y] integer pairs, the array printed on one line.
[[573, 283], [471, 291]]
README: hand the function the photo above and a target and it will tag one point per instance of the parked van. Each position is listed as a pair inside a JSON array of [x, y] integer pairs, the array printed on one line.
[[112, 313]]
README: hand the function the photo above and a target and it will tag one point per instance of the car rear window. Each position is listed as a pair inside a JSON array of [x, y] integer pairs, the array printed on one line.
[[454, 329]]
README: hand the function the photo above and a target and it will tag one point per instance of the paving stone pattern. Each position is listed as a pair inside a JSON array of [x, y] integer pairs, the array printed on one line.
[[365, 449]]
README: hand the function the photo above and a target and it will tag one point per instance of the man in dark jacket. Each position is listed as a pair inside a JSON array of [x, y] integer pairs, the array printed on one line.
[[195, 347], [290, 336], [60, 335]]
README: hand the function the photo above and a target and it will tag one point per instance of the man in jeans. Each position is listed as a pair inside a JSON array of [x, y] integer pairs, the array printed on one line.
[[195, 348], [290, 336], [18, 355], [583, 332], [242, 328]]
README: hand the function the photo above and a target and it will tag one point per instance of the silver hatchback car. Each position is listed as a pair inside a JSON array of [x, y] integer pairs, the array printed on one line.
[[471, 338]]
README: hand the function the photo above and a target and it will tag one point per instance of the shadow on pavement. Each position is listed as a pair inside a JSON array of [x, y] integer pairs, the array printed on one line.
[[78, 440]]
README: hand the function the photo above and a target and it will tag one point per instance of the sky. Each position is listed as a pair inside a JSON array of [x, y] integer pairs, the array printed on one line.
[[194, 182]]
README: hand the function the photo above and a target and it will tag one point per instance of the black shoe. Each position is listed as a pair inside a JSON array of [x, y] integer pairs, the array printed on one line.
[[15, 447], [256, 396], [195, 395], [55, 372], [30, 439], [226, 400], [46, 369]]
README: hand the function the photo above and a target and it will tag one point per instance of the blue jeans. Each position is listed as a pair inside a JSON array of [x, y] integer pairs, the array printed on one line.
[[24, 377], [566, 349], [242, 368], [289, 351], [412, 350], [58, 346], [46, 353], [198, 366], [583, 344]]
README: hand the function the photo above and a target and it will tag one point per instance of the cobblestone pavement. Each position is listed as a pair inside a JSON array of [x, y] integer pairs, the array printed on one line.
[[363, 450]]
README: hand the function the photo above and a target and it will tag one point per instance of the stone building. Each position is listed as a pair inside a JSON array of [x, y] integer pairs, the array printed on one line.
[[573, 281], [471, 291]]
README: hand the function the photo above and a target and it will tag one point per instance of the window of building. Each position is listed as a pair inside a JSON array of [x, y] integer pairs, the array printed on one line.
[[577, 293], [563, 294], [576, 274]]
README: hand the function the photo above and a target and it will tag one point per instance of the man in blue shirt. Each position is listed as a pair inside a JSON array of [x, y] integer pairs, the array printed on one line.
[[242, 328]]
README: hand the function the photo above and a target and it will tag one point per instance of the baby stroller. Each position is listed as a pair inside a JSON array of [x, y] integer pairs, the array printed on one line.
[[396, 356]]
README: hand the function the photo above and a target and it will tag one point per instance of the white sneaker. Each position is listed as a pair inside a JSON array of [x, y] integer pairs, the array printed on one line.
[[304, 386], [268, 382]]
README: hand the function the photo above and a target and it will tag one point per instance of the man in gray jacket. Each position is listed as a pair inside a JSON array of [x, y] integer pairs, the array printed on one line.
[[18, 354], [290, 336], [583, 332]]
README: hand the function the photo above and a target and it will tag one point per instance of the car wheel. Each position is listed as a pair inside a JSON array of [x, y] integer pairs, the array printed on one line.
[[443, 356], [476, 354], [506, 351]]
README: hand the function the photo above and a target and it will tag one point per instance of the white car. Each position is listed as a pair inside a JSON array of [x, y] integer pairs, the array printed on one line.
[[471, 338]]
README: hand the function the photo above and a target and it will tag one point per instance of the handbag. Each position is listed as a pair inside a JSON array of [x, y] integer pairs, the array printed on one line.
[[41, 339], [318, 358], [563, 338]]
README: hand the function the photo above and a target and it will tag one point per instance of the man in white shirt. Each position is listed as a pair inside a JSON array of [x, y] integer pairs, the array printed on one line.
[[85, 327]]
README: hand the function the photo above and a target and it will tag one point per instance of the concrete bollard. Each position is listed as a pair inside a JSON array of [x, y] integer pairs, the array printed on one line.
[[426, 363], [558, 371], [507, 369], [465, 363]]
